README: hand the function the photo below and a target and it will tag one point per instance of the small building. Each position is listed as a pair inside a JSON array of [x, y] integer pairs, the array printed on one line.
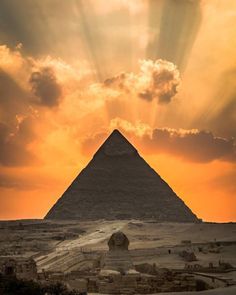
[[21, 267]]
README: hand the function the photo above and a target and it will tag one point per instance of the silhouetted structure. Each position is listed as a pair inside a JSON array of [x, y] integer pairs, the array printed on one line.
[[119, 184]]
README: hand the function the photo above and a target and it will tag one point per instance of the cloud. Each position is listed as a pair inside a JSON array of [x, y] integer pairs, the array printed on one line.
[[138, 128], [13, 98], [91, 143], [16, 124], [45, 87], [162, 80], [14, 143], [19, 114], [27, 84], [190, 145], [157, 80]]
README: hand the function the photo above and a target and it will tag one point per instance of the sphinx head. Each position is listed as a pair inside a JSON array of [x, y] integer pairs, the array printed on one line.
[[118, 241]]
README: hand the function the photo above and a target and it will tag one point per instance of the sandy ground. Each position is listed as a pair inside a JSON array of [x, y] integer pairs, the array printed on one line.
[[149, 241], [94, 236], [220, 291], [72, 245]]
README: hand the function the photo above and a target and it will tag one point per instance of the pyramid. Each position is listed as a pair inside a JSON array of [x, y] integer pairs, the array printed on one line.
[[118, 184]]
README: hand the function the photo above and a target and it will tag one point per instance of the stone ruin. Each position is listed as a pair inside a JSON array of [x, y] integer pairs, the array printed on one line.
[[188, 256], [118, 274], [21, 267], [115, 274], [117, 259]]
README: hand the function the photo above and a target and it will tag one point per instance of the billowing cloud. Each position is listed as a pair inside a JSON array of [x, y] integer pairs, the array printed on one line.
[[162, 80], [13, 98], [138, 128], [45, 87], [19, 112], [157, 80], [190, 145], [16, 123]]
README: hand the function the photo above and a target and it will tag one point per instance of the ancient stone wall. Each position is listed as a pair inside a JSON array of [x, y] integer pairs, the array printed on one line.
[[22, 268]]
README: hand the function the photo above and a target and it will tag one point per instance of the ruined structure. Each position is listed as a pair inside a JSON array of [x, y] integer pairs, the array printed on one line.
[[22, 268], [117, 258], [188, 256], [118, 274], [119, 184]]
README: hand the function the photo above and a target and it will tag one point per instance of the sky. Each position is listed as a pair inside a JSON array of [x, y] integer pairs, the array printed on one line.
[[161, 71]]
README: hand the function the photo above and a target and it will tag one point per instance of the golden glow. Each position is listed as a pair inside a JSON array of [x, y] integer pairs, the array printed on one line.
[[100, 41]]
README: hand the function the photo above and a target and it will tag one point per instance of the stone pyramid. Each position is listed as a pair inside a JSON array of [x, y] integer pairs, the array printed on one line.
[[119, 184]]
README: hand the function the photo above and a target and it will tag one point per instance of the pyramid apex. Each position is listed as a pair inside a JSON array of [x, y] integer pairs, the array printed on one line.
[[117, 131], [116, 145]]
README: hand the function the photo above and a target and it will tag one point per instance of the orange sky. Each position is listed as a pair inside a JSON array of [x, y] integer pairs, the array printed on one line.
[[77, 70]]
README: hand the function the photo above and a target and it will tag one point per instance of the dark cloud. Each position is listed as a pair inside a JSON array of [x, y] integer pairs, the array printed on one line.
[[13, 99], [14, 149], [17, 114], [189, 145], [174, 32], [195, 146], [45, 87], [16, 124]]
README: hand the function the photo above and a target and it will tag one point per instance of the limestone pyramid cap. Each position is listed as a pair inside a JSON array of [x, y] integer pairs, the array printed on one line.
[[116, 145]]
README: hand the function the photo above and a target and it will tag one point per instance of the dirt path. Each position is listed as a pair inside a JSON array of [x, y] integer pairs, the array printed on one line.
[[98, 233]]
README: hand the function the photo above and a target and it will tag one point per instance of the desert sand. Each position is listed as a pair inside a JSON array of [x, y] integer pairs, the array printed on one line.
[[65, 246], [220, 291]]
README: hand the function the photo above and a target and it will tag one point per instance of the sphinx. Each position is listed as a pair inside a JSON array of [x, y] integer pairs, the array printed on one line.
[[117, 259]]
